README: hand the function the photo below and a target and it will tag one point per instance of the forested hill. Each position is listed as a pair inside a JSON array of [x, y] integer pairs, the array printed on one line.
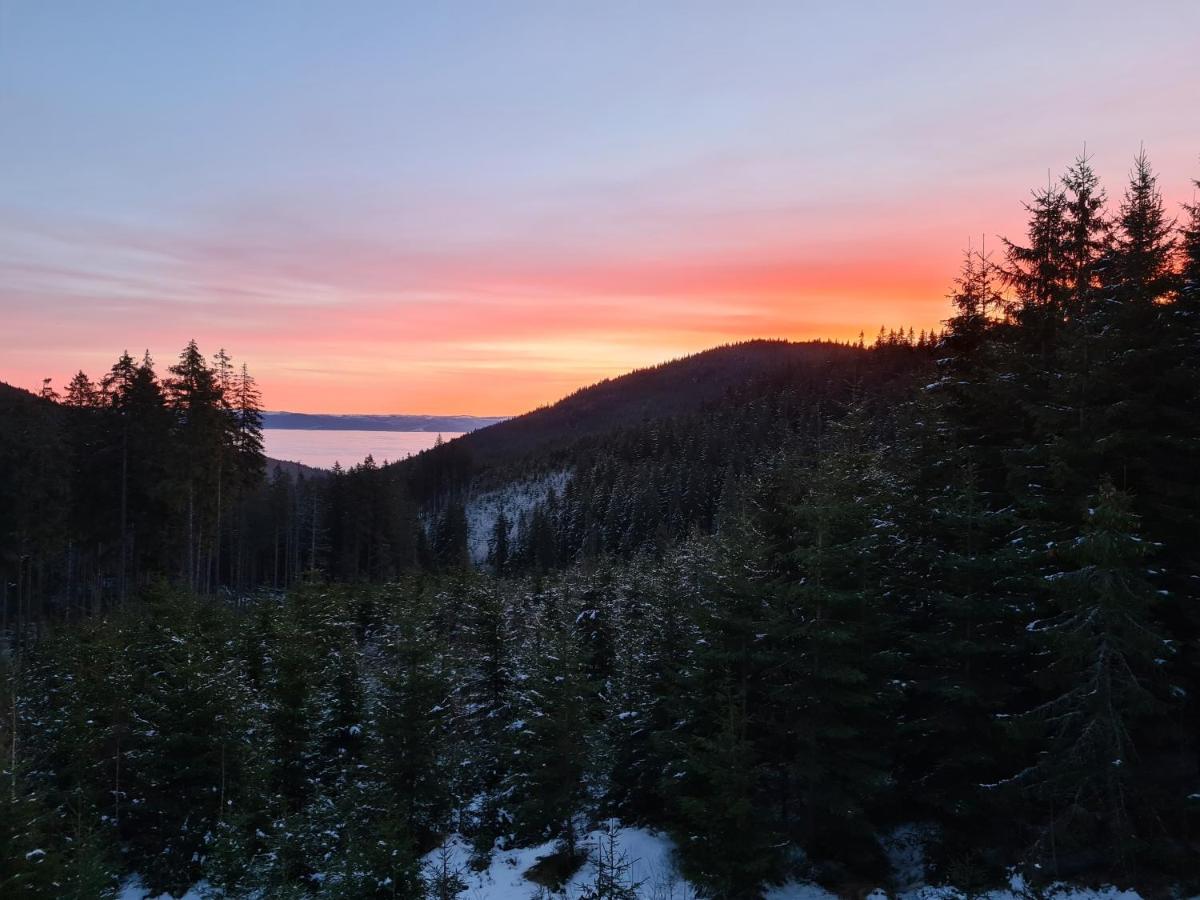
[[10, 393], [672, 388], [132, 477], [13, 397], [640, 461]]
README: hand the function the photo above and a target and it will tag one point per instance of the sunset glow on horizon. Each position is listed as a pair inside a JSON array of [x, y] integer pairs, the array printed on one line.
[[476, 209]]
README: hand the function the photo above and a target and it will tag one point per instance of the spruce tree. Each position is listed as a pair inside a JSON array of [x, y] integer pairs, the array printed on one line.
[[714, 775], [829, 666], [82, 393], [550, 737], [1088, 232], [1104, 659], [612, 869], [1189, 242], [409, 750], [498, 551], [1038, 272], [1136, 418], [444, 881], [1139, 267], [202, 424], [31, 865], [486, 662], [657, 638], [727, 846]]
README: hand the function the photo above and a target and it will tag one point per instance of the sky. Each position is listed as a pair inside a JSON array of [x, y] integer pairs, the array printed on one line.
[[477, 207]]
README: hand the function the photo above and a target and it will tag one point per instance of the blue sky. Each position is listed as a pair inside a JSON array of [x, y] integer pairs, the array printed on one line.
[[392, 200]]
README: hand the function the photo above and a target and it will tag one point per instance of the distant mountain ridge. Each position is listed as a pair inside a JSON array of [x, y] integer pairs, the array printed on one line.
[[398, 422]]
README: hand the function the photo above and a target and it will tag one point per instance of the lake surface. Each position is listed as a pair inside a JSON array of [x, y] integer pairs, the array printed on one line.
[[322, 447]]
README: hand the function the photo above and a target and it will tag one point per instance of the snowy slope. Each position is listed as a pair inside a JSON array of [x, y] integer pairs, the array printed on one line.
[[504, 879], [513, 499], [650, 853], [653, 870]]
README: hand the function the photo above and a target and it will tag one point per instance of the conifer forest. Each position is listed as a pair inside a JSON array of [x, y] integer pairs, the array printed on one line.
[[779, 603]]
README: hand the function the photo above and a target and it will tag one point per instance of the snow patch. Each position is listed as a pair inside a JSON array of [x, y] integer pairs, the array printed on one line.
[[904, 847], [648, 853], [798, 890], [514, 499], [1018, 889], [133, 889]]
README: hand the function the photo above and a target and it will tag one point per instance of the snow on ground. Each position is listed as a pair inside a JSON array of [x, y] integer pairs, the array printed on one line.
[[1017, 890], [648, 852], [651, 865], [799, 890], [514, 499], [133, 889], [905, 850]]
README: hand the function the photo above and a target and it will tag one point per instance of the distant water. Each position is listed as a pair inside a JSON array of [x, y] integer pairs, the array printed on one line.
[[322, 447]]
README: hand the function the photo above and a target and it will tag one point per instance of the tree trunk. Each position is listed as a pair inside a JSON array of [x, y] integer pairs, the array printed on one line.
[[124, 513]]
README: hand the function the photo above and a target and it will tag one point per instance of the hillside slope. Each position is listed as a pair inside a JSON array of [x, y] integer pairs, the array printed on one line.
[[670, 389], [639, 461]]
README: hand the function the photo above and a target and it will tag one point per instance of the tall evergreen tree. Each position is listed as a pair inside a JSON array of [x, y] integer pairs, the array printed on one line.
[[202, 422], [829, 664], [546, 784], [411, 718], [1038, 272], [1104, 657], [82, 393], [1088, 232]]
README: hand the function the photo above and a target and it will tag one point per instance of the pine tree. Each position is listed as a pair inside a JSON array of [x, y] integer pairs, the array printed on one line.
[[1088, 232], [952, 572], [412, 707], [77, 714], [725, 844], [153, 486], [1038, 272], [1178, 510], [30, 864], [612, 877], [202, 425], [550, 738], [186, 752], [443, 880], [377, 861], [657, 636], [1104, 657], [484, 660], [1132, 402], [82, 393], [977, 305], [450, 537], [248, 441], [498, 546], [1190, 247], [1139, 268], [828, 659], [714, 777]]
